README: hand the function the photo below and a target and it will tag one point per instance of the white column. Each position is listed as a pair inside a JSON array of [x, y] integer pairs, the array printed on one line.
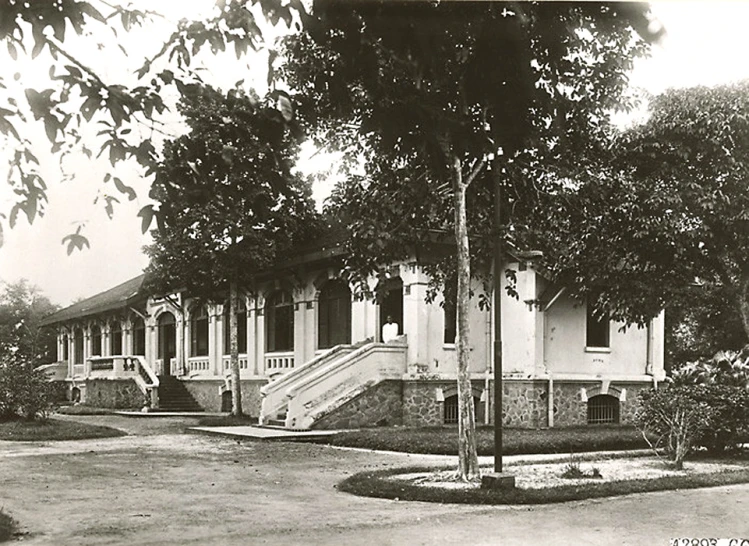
[[300, 328], [106, 346], [416, 315], [252, 361], [213, 357], [310, 322], [179, 334], [127, 338], [260, 334]]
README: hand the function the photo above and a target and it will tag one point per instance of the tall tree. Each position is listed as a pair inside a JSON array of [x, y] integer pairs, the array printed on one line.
[[22, 307], [445, 88], [667, 222], [229, 205]]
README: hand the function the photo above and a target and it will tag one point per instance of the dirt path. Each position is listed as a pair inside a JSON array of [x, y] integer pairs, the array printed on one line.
[[161, 487]]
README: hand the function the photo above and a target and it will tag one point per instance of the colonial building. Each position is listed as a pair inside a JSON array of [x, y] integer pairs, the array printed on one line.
[[311, 355]]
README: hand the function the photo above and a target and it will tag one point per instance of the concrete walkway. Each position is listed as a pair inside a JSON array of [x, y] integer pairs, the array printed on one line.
[[161, 487], [265, 433]]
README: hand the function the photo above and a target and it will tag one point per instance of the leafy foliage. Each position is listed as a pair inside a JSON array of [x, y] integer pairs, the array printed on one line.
[[77, 95], [724, 382], [670, 209], [22, 307], [677, 417], [438, 90], [24, 391], [229, 206]]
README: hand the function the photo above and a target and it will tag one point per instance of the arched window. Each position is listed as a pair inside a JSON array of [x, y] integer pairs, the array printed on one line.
[[334, 315], [241, 327], [199, 332], [167, 337], [78, 346], [139, 337], [450, 410], [95, 341], [115, 339], [279, 322], [603, 409]]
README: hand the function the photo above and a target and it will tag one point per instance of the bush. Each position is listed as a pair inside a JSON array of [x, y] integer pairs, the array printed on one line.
[[677, 417], [24, 391], [723, 382], [7, 526], [729, 425]]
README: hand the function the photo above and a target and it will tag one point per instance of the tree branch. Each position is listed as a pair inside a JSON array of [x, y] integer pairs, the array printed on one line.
[[476, 169]]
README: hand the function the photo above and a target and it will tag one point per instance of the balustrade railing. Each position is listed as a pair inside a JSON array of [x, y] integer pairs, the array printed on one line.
[[243, 363], [275, 362], [197, 365]]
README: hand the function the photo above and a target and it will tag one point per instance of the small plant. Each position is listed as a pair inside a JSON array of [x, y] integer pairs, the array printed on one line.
[[573, 471], [677, 417]]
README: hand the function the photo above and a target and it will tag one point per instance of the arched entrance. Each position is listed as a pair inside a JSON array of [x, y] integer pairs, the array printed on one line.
[[390, 298], [167, 341]]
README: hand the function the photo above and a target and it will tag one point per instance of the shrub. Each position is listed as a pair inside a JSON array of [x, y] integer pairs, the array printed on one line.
[[724, 382], [729, 424], [7, 526], [24, 391], [677, 417], [573, 471]]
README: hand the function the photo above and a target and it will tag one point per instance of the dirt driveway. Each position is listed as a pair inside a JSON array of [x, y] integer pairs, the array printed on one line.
[[159, 486]]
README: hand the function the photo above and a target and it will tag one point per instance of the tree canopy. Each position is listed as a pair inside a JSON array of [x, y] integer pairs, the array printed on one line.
[[228, 202], [667, 221], [229, 205], [431, 93], [22, 307]]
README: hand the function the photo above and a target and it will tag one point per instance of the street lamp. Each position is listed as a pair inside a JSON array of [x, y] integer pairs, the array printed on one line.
[[499, 479]]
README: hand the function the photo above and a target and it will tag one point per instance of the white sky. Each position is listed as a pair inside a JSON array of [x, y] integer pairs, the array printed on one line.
[[706, 44]]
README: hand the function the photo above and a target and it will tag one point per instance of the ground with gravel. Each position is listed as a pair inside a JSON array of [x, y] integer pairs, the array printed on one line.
[[160, 486]]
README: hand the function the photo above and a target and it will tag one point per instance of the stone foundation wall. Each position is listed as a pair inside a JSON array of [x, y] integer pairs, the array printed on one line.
[[569, 408], [525, 403], [113, 393], [379, 406], [420, 406], [629, 407], [207, 393]]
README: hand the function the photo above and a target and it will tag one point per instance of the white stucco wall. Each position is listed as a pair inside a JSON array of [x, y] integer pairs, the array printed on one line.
[[565, 351]]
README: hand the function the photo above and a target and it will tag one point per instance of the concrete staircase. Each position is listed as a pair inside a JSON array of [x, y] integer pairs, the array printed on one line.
[[173, 396], [307, 394]]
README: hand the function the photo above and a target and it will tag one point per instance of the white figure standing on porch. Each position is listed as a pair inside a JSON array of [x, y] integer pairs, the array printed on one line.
[[389, 330]]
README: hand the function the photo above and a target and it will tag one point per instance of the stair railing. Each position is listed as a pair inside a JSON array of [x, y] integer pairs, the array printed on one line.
[[146, 379], [274, 393]]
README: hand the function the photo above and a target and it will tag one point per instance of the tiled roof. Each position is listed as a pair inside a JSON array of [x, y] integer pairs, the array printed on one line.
[[118, 297]]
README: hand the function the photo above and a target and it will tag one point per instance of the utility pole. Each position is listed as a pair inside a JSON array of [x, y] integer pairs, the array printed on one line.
[[497, 479], [497, 277]]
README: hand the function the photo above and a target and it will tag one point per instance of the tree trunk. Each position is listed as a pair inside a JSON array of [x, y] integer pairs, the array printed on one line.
[[236, 391], [744, 302], [468, 467]]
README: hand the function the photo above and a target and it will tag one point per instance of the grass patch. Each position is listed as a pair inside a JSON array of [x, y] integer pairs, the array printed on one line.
[[43, 430], [376, 484], [7, 526], [444, 440], [82, 409], [226, 421]]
